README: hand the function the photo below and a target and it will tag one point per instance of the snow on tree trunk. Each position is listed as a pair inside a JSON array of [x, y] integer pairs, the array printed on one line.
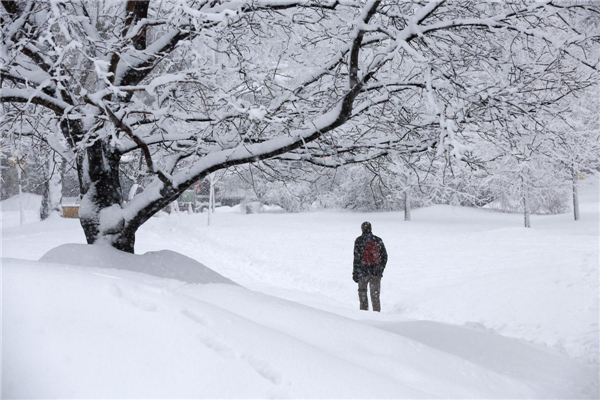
[[52, 196], [132, 191], [100, 208], [407, 206], [575, 178]]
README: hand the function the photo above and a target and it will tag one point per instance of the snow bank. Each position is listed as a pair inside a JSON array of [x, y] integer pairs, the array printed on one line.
[[163, 264], [272, 209], [77, 332], [547, 370]]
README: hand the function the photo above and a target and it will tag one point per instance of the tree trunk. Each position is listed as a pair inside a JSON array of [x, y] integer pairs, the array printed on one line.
[[407, 205], [526, 203], [100, 209], [211, 200], [52, 196], [212, 192], [575, 178], [21, 212], [45, 209], [100, 213]]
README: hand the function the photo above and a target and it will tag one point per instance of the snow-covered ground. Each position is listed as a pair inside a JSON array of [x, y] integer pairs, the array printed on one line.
[[473, 306]]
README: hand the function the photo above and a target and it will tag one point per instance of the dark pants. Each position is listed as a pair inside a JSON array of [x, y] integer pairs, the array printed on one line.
[[375, 283]]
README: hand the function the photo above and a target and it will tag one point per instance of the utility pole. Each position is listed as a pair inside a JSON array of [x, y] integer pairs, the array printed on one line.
[[575, 178]]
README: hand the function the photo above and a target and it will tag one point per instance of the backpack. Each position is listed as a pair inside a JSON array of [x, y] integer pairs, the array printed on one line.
[[371, 254]]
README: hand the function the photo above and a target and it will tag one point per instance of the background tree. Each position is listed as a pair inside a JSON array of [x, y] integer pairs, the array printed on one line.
[[576, 140], [52, 194]]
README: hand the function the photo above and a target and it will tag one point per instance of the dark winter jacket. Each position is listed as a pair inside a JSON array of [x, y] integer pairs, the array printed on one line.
[[370, 256]]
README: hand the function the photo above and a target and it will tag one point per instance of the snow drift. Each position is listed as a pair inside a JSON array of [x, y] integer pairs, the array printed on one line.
[[82, 332], [163, 264]]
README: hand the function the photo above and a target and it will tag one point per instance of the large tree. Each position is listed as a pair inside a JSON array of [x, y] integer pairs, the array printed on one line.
[[191, 87]]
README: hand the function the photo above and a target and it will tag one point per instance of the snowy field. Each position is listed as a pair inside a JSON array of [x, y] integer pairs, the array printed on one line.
[[473, 306]]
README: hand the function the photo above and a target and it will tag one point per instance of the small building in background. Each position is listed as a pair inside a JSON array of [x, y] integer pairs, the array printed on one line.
[[70, 207]]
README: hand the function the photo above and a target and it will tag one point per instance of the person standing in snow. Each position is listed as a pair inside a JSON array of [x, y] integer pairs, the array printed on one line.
[[370, 258]]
